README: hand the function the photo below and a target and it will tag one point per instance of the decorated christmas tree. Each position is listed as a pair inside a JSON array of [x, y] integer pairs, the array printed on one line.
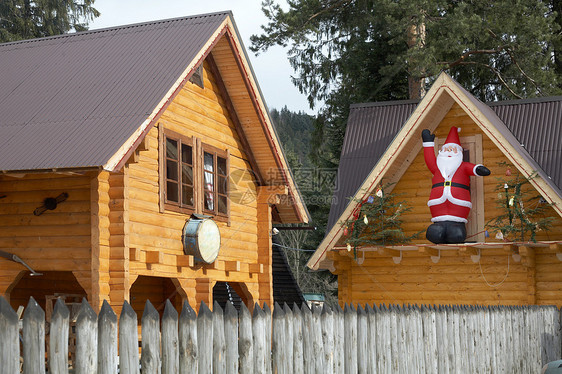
[[523, 210], [377, 222]]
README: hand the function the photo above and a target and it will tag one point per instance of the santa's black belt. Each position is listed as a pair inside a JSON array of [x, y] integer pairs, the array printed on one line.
[[452, 184]]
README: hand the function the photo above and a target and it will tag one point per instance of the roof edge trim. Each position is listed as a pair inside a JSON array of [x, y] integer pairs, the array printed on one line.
[[119, 159]]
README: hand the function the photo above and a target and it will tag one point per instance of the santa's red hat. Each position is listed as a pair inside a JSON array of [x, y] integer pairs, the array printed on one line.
[[453, 137]]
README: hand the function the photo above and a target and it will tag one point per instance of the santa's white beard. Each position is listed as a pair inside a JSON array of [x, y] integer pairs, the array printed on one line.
[[448, 165]]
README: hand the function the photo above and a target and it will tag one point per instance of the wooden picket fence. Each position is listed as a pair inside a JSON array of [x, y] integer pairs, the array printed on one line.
[[382, 339]]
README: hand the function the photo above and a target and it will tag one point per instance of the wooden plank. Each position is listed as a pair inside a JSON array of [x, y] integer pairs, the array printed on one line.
[[219, 344], [128, 340], [245, 343], [261, 355], [205, 339], [150, 355], [9, 338], [33, 338], [231, 338], [289, 338], [298, 350], [308, 339], [350, 339], [86, 340], [278, 337], [170, 340], [107, 340], [188, 343], [154, 257]]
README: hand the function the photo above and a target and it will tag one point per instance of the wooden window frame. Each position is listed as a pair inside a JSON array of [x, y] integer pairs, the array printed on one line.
[[166, 204], [198, 150], [216, 152]]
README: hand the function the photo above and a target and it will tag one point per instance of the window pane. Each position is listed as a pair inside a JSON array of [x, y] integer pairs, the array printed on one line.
[[187, 195], [187, 174], [466, 155], [186, 154], [222, 204], [221, 165], [209, 185], [172, 191], [171, 170], [171, 149], [209, 162], [222, 185]]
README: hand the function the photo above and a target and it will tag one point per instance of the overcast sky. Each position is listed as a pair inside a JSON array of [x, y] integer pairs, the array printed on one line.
[[271, 68]]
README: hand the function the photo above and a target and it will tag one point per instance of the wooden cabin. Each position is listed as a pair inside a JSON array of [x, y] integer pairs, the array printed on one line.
[[383, 145], [112, 140]]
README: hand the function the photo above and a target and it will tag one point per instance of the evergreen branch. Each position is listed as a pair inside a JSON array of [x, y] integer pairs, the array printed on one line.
[[324, 10]]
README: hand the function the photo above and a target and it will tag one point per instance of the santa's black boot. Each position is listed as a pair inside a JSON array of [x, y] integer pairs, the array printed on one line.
[[456, 233], [436, 233]]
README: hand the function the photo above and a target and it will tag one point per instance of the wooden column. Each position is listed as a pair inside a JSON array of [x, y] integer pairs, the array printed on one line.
[[203, 292], [99, 272], [119, 281], [528, 260], [267, 197]]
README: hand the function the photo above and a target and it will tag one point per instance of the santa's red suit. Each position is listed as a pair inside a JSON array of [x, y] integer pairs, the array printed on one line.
[[449, 199]]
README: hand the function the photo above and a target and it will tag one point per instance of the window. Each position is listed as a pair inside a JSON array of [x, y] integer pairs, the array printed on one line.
[[193, 176], [215, 181]]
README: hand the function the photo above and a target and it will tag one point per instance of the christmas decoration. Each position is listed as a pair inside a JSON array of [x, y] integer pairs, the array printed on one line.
[[449, 200], [377, 223], [523, 210]]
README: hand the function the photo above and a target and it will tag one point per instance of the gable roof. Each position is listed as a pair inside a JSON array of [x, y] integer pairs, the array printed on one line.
[[72, 101], [528, 131], [86, 100]]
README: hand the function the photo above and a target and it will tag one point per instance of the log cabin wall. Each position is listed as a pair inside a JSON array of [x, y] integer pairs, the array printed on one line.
[[154, 238], [455, 278], [57, 240]]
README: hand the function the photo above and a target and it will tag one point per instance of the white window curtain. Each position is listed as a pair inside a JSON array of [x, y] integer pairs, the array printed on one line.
[[209, 181]]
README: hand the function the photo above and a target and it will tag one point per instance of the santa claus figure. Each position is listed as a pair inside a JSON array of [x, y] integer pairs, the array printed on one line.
[[449, 200]]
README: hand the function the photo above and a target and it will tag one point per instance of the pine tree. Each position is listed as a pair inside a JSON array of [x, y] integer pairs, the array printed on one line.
[[28, 19], [377, 222]]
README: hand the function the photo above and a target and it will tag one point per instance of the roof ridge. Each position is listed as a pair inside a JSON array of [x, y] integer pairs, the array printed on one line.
[[113, 28], [544, 99], [384, 103]]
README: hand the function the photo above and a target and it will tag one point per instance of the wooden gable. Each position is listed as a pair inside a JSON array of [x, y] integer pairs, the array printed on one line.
[[441, 101], [487, 271]]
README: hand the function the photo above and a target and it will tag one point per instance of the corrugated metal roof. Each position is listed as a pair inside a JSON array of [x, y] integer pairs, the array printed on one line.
[[533, 126], [72, 100], [371, 127]]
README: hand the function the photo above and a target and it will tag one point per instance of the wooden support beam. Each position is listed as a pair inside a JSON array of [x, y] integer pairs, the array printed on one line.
[[435, 254], [527, 256], [185, 261], [255, 268], [153, 258], [474, 253], [134, 254], [396, 255], [232, 266]]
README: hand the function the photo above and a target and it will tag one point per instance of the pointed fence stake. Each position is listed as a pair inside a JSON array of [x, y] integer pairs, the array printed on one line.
[[128, 340], [9, 338], [150, 354], [86, 339], [170, 354]]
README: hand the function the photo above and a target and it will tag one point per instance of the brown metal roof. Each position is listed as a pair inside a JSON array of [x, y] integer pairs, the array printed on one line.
[[533, 126], [73, 100]]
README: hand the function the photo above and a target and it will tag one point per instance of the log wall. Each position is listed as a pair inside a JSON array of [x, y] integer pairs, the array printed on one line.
[[154, 238], [496, 279], [57, 240]]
